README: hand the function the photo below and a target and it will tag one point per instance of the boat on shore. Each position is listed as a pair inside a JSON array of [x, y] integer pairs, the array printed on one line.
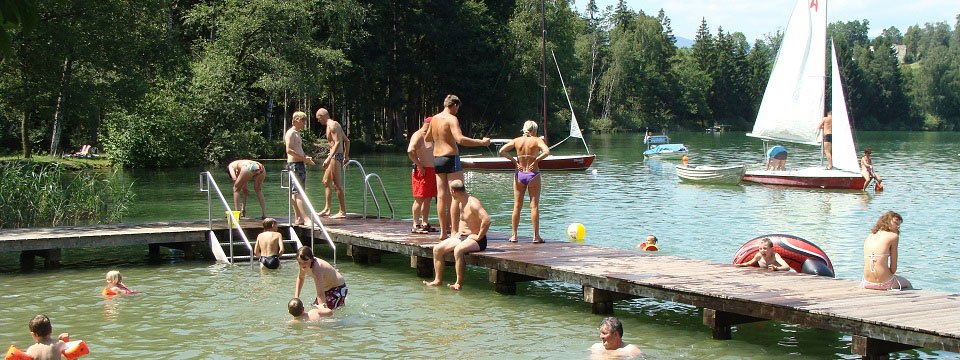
[[794, 101], [708, 174], [666, 151]]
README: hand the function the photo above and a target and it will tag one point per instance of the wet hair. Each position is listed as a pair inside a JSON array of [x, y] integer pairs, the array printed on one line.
[[40, 326], [305, 253], [885, 222], [114, 276], [451, 100], [457, 186], [295, 307], [767, 241], [269, 223], [613, 324], [530, 127], [652, 237], [866, 150], [300, 115]]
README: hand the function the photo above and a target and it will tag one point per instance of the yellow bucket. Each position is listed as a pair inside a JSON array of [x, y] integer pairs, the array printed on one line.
[[236, 217]]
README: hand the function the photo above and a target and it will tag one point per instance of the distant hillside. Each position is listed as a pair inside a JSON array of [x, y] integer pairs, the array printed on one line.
[[683, 42]]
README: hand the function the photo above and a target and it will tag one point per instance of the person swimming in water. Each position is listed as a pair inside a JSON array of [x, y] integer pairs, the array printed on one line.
[[530, 151], [880, 255]]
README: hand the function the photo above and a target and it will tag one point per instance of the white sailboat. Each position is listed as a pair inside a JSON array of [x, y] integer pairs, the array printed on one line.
[[793, 104]]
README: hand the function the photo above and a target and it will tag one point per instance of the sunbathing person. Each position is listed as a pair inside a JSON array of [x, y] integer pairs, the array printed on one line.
[[880, 255]]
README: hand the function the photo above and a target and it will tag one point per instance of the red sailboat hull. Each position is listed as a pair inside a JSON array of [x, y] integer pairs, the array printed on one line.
[[802, 256], [808, 178], [552, 162]]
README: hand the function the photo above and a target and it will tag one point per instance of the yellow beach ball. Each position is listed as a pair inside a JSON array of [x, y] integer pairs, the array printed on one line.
[[576, 231]]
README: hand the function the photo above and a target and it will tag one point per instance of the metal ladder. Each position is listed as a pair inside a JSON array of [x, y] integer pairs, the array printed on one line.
[[206, 184], [369, 189], [293, 183]]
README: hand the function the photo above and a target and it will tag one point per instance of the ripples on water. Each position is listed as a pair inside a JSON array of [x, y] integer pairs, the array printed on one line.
[[194, 310]]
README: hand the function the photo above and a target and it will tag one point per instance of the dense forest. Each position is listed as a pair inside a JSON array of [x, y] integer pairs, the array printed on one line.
[[185, 82]]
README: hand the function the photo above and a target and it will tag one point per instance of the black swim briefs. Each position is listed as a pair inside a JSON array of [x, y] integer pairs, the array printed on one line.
[[270, 262], [447, 164]]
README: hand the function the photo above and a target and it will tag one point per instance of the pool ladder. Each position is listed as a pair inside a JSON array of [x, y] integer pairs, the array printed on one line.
[[367, 188]]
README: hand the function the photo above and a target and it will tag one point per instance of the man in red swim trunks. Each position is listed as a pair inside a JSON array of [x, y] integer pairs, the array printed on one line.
[[423, 178]]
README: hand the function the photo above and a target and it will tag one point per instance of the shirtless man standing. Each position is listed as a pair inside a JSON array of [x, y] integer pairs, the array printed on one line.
[[423, 179], [332, 165], [472, 236], [331, 287], [530, 150], [444, 132], [296, 159], [827, 126]]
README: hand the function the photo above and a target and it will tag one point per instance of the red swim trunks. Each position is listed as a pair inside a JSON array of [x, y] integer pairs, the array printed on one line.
[[424, 182]]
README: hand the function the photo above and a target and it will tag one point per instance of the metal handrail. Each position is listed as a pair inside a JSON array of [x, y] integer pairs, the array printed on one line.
[[368, 188], [293, 182], [207, 179]]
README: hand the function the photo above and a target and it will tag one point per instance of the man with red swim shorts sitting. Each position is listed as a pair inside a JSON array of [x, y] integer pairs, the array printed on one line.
[[423, 179]]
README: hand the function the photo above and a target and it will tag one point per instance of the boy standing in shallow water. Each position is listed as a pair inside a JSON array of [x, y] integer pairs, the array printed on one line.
[[45, 347], [471, 237], [269, 245], [329, 282]]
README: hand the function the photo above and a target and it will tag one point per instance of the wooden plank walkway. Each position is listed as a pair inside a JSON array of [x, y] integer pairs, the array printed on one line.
[[880, 321]]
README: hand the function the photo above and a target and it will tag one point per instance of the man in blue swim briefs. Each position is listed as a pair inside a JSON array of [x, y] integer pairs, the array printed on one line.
[[530, 150], [296, 160], [444, 132]]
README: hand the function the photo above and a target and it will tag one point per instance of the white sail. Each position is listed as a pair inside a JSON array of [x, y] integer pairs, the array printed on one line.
[[575, 127], [844, 151], [792, 104]]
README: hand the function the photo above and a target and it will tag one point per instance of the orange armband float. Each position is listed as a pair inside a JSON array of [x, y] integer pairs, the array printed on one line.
[[16, 354], [108, 292], [75, 349]]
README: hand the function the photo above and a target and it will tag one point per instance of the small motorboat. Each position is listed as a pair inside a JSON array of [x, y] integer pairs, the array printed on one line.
[[666, 151], [655, 139], [707, 174], [802, 256]]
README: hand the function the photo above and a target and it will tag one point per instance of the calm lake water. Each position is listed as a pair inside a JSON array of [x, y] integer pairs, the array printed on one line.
[[197, 309]]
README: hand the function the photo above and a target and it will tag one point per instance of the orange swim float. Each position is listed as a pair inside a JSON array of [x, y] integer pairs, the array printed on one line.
[[16, 354], [75, 349], [650, 247], [108, 292]]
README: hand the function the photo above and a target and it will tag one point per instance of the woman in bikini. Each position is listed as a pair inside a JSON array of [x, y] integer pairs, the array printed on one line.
[[241, 172], [530, 150], [880, 255]]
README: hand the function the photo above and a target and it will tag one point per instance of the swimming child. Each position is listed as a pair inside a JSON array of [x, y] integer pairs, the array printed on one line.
[[295, 307], [45, 348], [115, 285], [650, 244], [767, 258], [269, 245]]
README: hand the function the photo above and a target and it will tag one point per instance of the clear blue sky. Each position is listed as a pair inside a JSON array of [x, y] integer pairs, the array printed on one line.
[[755, 18]]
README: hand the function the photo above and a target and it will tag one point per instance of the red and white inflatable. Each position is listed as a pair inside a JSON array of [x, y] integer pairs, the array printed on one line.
[[803, 256]]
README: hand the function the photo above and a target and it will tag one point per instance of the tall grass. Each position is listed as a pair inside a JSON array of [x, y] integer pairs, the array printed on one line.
[[36, 194]]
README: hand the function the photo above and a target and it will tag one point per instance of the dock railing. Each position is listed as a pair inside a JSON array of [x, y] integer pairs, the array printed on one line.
[[367, 188], [293, 183], [206, 184]]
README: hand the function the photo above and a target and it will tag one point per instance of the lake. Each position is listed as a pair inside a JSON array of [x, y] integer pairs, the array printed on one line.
[[198, 309]]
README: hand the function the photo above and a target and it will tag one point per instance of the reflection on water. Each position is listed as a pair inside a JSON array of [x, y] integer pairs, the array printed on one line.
[[195, 309]]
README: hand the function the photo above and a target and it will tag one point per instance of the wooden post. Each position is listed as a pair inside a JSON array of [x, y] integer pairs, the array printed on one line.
[[869, 348], [602, 300], [721, 321], [423, 265], [506, 282], [27, 260], [154, 253]]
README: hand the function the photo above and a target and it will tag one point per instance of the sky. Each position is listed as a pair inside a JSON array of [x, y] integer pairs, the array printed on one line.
[[756, 18]]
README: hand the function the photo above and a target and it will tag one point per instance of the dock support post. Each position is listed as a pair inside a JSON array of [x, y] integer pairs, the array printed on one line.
[[423, 265], [870, 349], [362, 255], [154, 253], [51, 258], [506, 282], [721, 321], [602, 300]]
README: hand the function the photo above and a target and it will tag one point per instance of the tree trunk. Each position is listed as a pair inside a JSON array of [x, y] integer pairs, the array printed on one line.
[[25, 134], [61, 104]]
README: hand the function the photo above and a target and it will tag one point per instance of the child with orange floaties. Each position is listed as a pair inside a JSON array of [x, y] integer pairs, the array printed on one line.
[[115, 285], [650, 244], [46, 348]]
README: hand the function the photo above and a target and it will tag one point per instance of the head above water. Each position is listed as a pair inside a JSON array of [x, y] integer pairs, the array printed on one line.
[[295, 307], [530, 128], [889, 221], [114, 277], [651, 239], [40, 326], [613, 324]]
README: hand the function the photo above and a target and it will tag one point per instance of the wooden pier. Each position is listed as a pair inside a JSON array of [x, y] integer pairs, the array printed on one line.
[[879, 321]]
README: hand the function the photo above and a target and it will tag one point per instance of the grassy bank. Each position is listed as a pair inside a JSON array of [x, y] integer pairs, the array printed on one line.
[[65, 162]]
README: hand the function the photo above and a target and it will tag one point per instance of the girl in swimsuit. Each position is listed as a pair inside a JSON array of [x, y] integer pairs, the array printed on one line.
[[530, 150], [880, 255]]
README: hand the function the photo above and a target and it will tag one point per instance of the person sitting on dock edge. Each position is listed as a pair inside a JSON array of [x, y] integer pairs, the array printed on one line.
[[611, 340], [269, 245], [880, 255], [328, 281], [472, 236]]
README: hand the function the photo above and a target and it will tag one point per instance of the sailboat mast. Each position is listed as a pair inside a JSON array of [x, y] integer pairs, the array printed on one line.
[[543, 64]]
